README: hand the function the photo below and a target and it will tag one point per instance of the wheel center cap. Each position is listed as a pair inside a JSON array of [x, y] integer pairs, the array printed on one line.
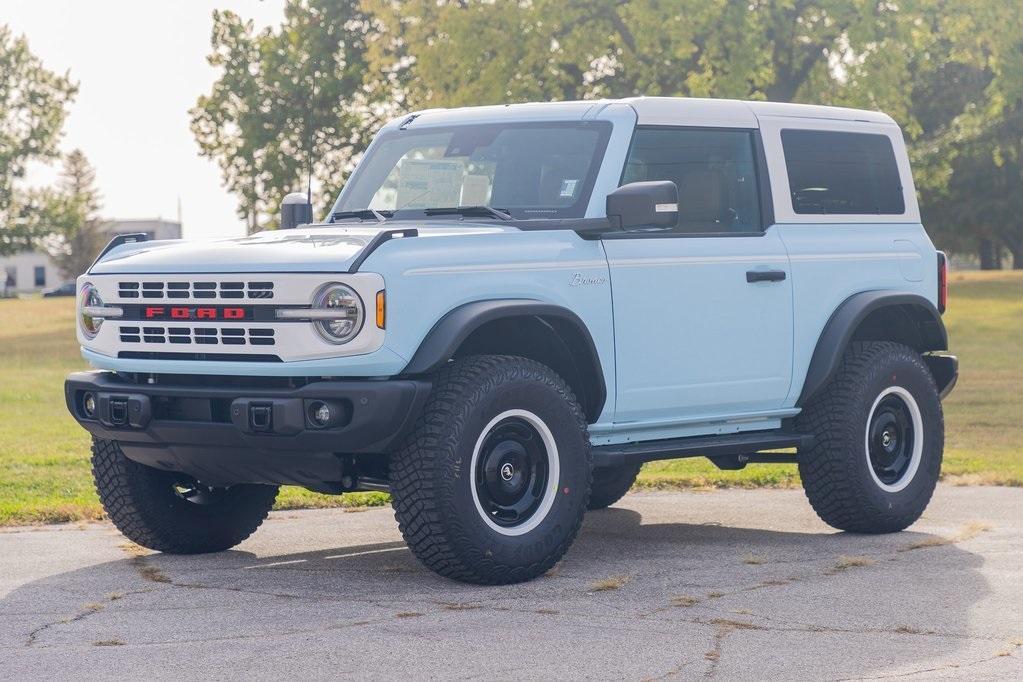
[[507, 471], [886, 439]]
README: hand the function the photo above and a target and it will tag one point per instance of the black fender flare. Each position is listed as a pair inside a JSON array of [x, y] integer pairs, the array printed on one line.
[[443, 340], [839, 331]]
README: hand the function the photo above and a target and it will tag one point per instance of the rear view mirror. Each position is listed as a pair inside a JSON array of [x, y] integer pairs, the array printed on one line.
[[644, 204]]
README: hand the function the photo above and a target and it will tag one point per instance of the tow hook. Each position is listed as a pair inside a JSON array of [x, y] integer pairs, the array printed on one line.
[[261, 418], [274, 416], [128, 410]]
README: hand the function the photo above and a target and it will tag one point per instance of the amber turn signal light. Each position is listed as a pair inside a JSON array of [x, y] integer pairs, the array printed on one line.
[[381, 309]]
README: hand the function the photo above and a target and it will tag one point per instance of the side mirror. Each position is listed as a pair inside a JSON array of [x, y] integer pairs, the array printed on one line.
[[295, 211], [644, 204]]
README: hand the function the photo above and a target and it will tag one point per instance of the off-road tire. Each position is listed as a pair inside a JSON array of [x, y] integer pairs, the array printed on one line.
[[836, 470], [432, 478], [611, 483], [142, 503]]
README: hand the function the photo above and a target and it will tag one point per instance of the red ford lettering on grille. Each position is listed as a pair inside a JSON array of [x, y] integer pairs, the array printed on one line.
[[185, 313]]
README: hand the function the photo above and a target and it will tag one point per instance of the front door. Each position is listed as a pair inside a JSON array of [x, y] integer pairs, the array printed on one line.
[[703, 312]]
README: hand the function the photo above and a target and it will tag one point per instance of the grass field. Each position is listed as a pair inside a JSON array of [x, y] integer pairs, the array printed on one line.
[[44, 463]]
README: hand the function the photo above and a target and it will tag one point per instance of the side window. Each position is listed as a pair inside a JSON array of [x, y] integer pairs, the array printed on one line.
[[714, 172], [844, 173], [40, 275]]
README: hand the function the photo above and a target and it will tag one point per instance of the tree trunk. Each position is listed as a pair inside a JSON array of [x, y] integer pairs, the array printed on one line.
[[1015, 245], [990, 258], [1017, 258]]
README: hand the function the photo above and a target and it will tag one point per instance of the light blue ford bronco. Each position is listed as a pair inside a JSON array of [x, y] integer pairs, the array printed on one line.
[[508, 310]]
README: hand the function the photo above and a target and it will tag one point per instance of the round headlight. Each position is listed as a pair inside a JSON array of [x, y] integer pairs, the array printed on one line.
[[90, 325], [350, 313]]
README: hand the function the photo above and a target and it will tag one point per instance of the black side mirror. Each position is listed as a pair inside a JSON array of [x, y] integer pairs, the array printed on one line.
[[644, 204], [295, 211]]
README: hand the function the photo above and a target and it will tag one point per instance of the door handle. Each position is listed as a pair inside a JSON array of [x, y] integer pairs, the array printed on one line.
[[764, 275]]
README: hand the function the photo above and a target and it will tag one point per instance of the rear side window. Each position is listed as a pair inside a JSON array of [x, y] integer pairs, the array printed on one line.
[[844, 173]]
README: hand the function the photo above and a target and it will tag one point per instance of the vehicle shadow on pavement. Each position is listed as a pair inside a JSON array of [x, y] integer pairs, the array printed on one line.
[[691, 597]]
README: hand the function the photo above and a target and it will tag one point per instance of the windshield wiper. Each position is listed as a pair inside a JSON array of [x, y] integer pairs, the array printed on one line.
[[362, 214], [470, 211]]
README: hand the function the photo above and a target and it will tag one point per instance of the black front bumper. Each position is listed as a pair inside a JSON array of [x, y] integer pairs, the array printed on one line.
[[246, 433]]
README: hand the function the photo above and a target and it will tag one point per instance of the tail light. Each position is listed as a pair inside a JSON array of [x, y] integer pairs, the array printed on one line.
[[942, 281]]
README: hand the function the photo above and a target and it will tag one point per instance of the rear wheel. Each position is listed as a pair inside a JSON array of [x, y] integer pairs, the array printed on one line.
[[611, 483], [171, 512], [879, 437], [492, 484]]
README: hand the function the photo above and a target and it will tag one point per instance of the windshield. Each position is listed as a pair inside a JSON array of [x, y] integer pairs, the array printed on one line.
[[526, 170]]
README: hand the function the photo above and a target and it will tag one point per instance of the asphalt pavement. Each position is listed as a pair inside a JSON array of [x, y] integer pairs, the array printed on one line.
[[724, 584]]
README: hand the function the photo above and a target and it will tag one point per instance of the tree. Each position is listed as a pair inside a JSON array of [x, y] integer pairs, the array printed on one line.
[[476, 52], [33, 106], [289, 101], [968, 96], [68, 216], [948, 72]]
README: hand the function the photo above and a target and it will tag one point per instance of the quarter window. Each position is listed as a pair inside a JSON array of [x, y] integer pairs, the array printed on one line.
[[844, 173], [714, 172]]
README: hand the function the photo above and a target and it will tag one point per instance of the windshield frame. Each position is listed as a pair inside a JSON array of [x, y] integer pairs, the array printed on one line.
[[576, 210]]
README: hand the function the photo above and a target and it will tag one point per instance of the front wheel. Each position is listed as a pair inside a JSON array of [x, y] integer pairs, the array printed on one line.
[[879, 437], [492, 484], [171, 512]]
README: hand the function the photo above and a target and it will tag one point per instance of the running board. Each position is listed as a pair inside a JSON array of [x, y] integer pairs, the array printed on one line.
[[729, 451]]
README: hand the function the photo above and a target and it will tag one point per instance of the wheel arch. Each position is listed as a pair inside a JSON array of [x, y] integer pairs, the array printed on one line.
[[902, 317], [545, 332]]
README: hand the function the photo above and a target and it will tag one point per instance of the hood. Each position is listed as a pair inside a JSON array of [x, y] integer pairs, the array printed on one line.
[[310, 249]]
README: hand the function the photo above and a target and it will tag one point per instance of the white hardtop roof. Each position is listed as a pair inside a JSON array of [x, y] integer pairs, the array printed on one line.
[[649, 111]]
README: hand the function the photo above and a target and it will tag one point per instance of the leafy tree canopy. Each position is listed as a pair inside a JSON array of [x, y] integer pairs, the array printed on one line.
[[67, 215], [311, 90], [33, 106], [289, 99]]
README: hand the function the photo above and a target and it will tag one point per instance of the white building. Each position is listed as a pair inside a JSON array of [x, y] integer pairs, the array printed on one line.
[[33, 270]]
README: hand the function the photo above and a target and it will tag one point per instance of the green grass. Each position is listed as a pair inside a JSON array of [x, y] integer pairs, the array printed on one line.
[[44, 463]]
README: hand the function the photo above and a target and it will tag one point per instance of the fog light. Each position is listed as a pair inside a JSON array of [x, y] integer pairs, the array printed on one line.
[[322, 414], [89, 405]]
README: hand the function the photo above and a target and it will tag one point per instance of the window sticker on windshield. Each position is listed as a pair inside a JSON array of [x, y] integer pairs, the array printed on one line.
[[426, 184], [568, 187], [475, 190]]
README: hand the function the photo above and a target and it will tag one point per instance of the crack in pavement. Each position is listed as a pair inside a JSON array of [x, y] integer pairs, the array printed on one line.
[[947, 666], [87, 610], [723, 628]]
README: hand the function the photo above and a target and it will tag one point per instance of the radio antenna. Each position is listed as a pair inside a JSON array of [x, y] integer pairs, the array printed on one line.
[[309, 173]]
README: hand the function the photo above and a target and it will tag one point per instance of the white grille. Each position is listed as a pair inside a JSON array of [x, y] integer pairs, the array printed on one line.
[[146, 334], [195, 290]]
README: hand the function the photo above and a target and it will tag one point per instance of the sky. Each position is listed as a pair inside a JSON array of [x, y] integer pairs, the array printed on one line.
[[140, 66]]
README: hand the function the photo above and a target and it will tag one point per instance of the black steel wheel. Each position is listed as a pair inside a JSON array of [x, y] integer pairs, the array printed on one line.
[[892, 439], [512, 468]]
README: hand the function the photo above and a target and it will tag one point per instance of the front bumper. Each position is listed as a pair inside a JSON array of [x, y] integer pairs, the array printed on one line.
[[252, 432]]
